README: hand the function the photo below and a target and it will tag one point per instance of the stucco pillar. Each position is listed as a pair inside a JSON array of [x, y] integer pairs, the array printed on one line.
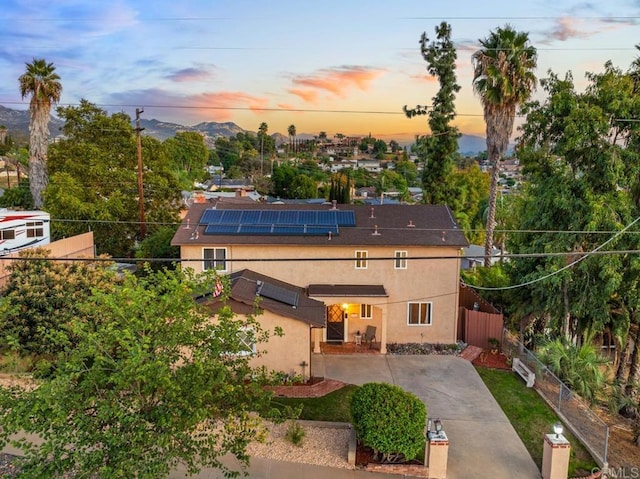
[[555, 457], [383, 333], [315, 334], [437, 455]]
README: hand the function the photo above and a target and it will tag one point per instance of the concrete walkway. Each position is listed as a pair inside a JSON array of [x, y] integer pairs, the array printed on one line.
[[482, 441]]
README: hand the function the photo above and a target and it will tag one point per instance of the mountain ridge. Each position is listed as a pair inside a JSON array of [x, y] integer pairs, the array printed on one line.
[[17, 125]]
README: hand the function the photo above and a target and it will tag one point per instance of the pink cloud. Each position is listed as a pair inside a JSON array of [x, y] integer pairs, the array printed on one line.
[[335, 81], [309, 96]]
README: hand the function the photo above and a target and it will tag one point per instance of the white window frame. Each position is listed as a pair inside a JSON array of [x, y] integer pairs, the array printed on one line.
[[215, 262], [248, 333], [366, 311], [425, 308], [362, 259], [400, 261]]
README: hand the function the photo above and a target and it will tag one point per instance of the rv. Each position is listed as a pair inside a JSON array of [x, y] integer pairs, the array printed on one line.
[[23, 229]]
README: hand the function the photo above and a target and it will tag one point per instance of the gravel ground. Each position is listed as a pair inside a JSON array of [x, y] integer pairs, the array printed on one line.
[[323, 446]]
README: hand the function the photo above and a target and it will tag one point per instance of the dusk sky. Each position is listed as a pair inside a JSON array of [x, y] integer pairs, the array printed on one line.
[[336, 66]]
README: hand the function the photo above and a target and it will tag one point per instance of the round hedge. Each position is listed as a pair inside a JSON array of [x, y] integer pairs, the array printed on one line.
[[390, 420]]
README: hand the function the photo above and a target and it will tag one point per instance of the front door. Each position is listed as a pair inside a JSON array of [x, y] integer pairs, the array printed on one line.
[[335, 323]]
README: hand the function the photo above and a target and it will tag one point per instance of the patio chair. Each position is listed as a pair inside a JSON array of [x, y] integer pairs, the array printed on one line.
[[370, 335]]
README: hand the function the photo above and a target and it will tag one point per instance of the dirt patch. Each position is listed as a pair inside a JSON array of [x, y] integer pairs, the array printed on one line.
[[491, 360]]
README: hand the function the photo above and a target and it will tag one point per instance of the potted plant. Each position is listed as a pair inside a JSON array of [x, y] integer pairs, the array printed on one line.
[[495, 345]]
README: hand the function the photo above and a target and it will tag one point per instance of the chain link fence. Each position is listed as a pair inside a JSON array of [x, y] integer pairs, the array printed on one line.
[[592, 431]]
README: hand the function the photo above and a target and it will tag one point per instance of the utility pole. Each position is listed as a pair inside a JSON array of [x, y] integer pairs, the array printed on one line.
[[143, 225]]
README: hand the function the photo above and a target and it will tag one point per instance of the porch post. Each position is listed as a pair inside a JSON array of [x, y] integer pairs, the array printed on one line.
[[383, 333], [317, 333]]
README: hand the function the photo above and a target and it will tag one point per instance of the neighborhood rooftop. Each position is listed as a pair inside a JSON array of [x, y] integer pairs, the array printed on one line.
[[234, 222]]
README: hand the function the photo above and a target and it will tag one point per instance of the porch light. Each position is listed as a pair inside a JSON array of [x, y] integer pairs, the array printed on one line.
[[557, 428], [437, 424], [345, 306]]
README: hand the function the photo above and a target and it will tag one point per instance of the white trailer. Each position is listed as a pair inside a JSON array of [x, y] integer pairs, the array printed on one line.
[[23, 229]]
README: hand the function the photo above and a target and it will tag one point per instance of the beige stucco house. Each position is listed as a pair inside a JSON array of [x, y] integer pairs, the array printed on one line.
[[394, 267]]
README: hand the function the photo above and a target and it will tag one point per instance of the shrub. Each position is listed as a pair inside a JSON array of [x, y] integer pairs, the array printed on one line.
[[389, 420], [295, 433]]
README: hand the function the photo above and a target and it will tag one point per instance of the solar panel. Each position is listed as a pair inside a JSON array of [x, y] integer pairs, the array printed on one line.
[[221, 229], [278, 293], [276, 222], [345, 218]]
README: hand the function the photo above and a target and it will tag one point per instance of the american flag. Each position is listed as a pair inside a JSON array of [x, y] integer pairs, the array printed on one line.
[[217, 291]]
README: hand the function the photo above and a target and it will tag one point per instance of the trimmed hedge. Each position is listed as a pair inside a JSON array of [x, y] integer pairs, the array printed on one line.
[[389, 420]]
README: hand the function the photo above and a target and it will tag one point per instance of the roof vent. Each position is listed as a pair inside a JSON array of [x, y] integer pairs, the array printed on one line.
[[372, 212], [411, 225], [375, 231], [334, 204], [444, 234], [329, 235], [188, 227]]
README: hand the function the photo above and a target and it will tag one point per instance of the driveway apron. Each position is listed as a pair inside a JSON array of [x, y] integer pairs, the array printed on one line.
[[482, 442]]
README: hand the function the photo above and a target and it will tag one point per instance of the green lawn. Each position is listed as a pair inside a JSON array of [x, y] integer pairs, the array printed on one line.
[[332, 407], [531, 417]]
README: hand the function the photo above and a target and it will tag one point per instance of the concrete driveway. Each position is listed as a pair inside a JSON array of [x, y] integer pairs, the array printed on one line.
[[482, 441]]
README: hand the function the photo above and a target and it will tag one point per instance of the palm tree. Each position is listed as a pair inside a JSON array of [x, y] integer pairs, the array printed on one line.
[[292, 137], [262, 132], [42, 83], [503, 78]]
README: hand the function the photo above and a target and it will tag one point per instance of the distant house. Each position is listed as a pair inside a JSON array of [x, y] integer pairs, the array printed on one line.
[[392, 267], [473, 255]]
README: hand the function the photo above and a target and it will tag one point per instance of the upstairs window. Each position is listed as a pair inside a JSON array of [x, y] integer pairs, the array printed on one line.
[[215, 258], [361, 259], [419, 314], [400, 260]]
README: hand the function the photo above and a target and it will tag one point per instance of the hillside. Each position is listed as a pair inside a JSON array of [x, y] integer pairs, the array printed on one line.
[[17, 124]]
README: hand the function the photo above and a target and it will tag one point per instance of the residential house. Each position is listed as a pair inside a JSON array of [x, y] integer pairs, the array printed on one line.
[[393, 267], [277, 305]]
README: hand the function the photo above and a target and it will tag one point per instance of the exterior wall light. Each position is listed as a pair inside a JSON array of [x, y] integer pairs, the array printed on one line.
[[557, 428]]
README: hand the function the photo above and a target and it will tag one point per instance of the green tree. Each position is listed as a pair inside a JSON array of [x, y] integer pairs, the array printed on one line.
[[18, 196], [472, 189], [94, 182], [155, 384], [188, 154], [157, 246], [262, 134], [291, 130], [503, 78], [41, 82], [580, 367], [441, 147], [303, 187], [42, 298]]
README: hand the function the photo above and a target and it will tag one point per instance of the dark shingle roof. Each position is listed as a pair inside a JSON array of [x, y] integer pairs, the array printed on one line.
[[276, 296], [386, 225]]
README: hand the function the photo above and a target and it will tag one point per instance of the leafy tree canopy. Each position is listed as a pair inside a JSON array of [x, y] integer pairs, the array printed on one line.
[[153, 384], [94, 182]]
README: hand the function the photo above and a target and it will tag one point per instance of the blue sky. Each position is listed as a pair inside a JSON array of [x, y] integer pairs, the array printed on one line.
[[336, 66]]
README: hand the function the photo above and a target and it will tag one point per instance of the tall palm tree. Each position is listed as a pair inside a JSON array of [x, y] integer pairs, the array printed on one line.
[[262, 132], [292, 137], [503, 78], [42, 83]]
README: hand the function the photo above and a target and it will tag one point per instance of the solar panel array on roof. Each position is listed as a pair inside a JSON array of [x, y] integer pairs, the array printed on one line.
[[271, 222], [277, 293]]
